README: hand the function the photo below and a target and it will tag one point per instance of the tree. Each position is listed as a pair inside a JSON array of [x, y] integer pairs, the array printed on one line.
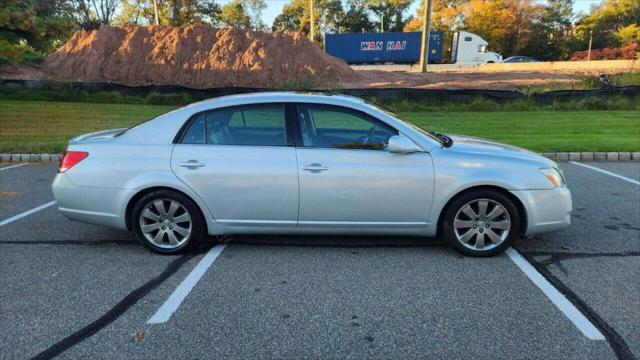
[[505, 24], [390, 13], [291, 17], [295, 17], [131, 12], [93, 13], [356, 19], [445, 17], [606, 21], [234, 15], [628, 34], [30, 29], [551, 33], [170, 12], [211, 12], [254, 9]]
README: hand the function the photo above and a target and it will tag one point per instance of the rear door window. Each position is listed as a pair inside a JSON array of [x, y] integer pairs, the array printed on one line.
[[258, 125]]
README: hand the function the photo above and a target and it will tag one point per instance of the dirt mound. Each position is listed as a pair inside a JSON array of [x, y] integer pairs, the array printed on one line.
[[195, 56]]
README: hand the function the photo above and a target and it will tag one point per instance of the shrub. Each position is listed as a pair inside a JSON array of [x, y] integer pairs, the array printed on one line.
[[520, 105], [5, 61], [630, 51], [107, 97], [593, 103], [154, 98], [30, 57], [19, 53], [482, 104], [301, 84]]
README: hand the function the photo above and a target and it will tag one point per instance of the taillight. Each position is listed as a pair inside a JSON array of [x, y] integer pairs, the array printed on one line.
[[70, 159]]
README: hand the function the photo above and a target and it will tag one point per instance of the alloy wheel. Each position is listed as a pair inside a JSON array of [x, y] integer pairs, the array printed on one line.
[[166, 223], [482, 224]]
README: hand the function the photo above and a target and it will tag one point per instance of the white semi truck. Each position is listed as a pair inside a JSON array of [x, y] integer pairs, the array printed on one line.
[[469, 48]]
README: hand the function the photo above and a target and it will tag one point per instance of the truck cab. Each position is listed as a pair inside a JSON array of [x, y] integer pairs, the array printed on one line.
[[469, 48]]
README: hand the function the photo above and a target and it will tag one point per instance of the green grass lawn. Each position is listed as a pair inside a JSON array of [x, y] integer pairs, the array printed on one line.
[[542, 131], [38, 126]]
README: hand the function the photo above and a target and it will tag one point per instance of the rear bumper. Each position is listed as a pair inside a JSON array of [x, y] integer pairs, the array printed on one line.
[[99, 206], [547, 210]]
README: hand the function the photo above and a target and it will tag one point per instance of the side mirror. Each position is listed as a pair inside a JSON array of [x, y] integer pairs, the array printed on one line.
[[400, 144]]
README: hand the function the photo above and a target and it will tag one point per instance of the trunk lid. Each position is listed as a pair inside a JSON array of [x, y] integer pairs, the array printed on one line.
[[97, 136]]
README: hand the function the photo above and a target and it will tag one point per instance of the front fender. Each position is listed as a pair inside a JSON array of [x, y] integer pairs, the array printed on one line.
[[456, 172]]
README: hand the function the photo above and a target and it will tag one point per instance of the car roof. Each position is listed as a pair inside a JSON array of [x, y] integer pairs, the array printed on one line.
[[277, 96]]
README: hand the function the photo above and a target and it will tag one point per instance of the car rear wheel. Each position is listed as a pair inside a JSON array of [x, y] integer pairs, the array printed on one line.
[[481, 223], [167, 222]]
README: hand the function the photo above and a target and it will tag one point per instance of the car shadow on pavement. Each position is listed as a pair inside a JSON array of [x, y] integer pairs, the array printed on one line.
[[334, 241]]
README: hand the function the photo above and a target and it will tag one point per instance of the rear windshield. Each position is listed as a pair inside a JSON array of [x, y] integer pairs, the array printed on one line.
[[135, 126]]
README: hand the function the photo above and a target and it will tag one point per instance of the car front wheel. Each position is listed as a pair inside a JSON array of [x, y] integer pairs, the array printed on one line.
[[167, 222], [481, 223]]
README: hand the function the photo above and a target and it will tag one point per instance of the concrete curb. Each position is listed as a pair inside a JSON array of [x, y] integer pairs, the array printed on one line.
[[555, 156], [593, 156]]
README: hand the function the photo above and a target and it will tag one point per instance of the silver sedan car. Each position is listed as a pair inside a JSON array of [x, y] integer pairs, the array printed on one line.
[[288, 163]]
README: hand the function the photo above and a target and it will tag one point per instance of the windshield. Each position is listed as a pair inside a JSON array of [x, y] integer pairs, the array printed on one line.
[[431, 134]]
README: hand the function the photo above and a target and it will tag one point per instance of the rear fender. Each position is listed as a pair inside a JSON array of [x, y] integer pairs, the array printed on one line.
[[165, 179]]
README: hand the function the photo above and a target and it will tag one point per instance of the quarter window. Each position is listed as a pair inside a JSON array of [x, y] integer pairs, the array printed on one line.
[[195, 134], [259, 125], [336, 127]]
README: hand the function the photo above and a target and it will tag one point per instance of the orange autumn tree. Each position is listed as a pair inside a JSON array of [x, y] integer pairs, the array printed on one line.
[[445, 16], [505, 24]]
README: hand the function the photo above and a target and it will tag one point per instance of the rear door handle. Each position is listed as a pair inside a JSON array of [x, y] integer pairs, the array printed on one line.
[[192, 164], [314, 168]]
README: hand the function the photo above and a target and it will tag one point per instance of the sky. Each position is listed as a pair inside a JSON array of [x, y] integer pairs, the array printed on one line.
[[274, 7]]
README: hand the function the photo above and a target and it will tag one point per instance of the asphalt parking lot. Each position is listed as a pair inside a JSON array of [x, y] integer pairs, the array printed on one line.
[[80, 291]]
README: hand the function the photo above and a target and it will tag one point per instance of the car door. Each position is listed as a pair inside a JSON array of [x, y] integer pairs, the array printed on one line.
[[242, 162], [348, 179]]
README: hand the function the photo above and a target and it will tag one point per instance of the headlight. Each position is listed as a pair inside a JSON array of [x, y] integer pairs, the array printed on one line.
[[553, 175]]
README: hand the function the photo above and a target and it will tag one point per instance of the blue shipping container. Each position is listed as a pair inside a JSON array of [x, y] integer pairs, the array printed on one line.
[[372, 48]]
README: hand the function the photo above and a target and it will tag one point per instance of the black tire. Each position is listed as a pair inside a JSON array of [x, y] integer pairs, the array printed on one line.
[[197, 225], [460, 201]]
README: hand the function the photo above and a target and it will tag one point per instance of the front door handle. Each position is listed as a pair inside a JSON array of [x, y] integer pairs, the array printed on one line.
[[314, 168], [192, 164]]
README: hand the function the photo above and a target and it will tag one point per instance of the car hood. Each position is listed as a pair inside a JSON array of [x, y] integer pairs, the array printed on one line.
[[478, 146]]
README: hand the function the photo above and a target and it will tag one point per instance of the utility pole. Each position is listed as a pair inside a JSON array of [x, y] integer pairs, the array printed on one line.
[[312, 31], [155, 12], [382, 22], [426, 34], [590, 39]]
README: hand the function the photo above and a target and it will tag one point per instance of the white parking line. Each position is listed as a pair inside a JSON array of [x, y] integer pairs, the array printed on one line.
[[13, 166], [180, 293], [606, 172], [560, 301], [26, 213]]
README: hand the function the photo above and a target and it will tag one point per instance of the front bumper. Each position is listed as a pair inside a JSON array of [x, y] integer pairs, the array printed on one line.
[[547, 210]]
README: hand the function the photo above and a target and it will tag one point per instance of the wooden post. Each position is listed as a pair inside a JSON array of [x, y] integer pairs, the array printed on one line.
[[590, 39], [312, 27], [426, 34], [155, 12]]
